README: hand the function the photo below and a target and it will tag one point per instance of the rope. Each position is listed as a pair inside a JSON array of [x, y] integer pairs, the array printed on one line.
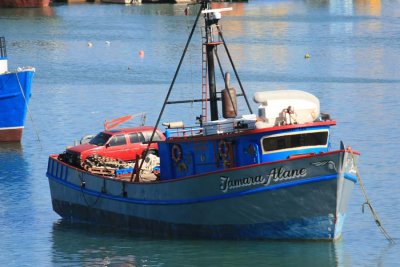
[[368, 203], [29, 111], [80, 175]]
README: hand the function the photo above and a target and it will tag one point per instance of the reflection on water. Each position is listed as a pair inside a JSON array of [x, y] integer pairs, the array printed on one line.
[[27, 13], [10, 147], [81, 244], [341, 8], [15, 193], [368, 7], [157, 10]]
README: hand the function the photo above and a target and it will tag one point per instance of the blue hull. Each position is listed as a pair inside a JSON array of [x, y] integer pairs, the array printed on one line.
[[15, 92], [310, 207], [316, 228]]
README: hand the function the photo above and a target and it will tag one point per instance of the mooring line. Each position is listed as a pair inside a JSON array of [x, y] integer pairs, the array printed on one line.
[[368, 203], [83, 183], [29, 111]]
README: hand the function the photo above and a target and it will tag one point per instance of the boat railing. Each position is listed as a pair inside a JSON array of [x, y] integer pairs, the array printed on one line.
[[246, 122], [184, 132]]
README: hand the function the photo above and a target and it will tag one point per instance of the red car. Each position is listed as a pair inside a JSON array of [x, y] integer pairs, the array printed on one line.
[[123, 144]]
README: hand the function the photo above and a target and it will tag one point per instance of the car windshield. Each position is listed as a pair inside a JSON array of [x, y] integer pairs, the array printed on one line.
[[100, 139]]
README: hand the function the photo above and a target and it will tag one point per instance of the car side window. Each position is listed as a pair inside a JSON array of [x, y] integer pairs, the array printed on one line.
[[134, 138], [118, 140]]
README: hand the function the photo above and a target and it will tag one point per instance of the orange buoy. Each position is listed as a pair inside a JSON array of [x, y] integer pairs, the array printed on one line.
[[141, 53]]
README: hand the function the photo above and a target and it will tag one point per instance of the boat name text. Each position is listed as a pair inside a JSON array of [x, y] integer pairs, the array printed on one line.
[[275, 175], [228, 184], [281, 174]]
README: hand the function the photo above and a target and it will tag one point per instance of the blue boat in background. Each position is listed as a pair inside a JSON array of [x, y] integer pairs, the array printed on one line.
[[270, 175], [15, 92]]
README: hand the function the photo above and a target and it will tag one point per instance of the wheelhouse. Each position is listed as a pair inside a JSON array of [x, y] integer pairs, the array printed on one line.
[[192, 155]]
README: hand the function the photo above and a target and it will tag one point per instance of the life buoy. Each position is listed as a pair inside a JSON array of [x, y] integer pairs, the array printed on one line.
[[176, 153], [223, 149]]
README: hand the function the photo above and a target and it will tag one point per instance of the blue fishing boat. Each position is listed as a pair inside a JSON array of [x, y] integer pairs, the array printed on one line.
[[270, 175], [15, 92]]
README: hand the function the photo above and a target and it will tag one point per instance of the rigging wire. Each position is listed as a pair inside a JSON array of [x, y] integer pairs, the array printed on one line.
[[234, 68], [168, 94]]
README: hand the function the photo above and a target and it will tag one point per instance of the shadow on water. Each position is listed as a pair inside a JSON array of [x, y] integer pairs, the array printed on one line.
[[77, 244]]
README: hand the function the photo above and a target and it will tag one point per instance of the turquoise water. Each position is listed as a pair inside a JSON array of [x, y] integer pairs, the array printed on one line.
[[353, 68]]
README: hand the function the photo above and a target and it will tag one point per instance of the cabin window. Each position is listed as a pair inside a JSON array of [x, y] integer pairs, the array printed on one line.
[[294, 140], [118, 140]]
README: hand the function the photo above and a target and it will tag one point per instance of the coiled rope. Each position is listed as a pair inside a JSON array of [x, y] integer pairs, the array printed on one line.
[[368, 203]]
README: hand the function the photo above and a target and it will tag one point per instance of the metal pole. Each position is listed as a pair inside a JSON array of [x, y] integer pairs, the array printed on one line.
[[212, 87]]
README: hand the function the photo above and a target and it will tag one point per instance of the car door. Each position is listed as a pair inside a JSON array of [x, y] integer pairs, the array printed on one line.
[[136, 144], [117, 147], [142, 142]]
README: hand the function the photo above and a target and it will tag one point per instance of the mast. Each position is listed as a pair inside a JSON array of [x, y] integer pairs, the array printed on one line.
[[209, 21], [211, 18]]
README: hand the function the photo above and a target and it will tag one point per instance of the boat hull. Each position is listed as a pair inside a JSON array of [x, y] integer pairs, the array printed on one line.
[[15, 92], [309, 205]]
